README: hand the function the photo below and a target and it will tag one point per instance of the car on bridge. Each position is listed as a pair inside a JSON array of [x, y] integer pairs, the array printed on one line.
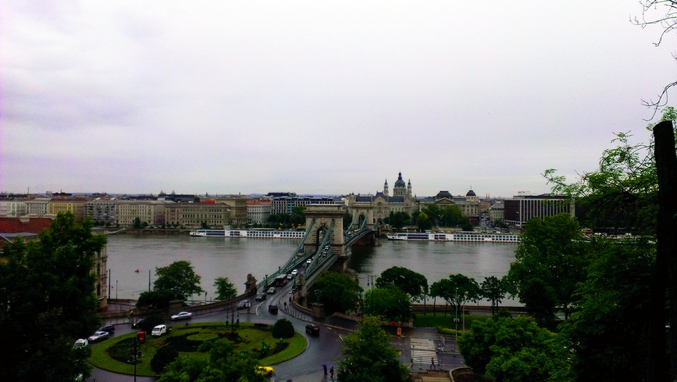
[[271, 290], [260, 297], [295, 272]]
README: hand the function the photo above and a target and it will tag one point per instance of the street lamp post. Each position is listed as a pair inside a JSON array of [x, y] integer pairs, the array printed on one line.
[[116, 290]]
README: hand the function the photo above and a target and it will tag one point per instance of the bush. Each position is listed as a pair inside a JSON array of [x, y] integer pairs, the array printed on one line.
[[164, 356], [283, 329]]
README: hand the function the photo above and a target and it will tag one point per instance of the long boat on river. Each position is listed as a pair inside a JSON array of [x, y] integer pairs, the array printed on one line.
[[236, 233], [458, 236]]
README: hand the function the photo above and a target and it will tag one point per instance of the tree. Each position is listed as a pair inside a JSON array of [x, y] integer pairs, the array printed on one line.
[[514, 350], [452, 216], [46, 300], [224, 289], [163, 357], [388, 302], [550, 260], [612, 307], [423, 222], [137, 223], [399, 219], [179, 278], [434, 213], [412, 283], [158, 299], [493, 290], [456, 290], [298, 216], [630, 174], [283, 328], [664, 14], [368, 356], [224, 364], [338, 292]]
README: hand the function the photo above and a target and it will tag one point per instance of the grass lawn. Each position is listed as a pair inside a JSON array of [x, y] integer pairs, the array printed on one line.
[[445, 324], [111, 354]]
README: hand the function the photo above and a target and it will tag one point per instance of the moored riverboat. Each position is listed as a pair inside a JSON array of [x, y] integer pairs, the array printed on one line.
[[263, 234], [459, 236]]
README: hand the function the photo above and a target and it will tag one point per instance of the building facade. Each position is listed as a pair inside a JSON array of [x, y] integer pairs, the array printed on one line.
[[13, 208], [383, 203], [74, 205], [521, 208], [196, 215], [258, 211], [148, 211]]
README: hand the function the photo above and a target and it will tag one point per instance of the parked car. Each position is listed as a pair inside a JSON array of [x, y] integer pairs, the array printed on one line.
[[244, 304], [272, 309], [260, 297], [99, 335], [80, 343], [182, 316], [271, 290], [107, 328], [265, 370], [159, 330], [312, 329]]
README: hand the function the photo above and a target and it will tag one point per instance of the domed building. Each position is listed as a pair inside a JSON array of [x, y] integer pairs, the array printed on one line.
[[469, 204], [401, 200]]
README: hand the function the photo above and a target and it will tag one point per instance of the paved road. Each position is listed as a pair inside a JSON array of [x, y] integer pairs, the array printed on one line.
[[417, 345]]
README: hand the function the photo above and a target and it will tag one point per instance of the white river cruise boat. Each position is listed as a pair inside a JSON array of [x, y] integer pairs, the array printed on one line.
[[263, 234], [459, 236]]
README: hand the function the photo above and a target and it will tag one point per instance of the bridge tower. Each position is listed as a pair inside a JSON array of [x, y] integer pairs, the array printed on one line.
[[324, 215], [362, 208]]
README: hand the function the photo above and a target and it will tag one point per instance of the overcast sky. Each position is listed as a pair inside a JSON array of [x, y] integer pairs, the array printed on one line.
[[318, 97]]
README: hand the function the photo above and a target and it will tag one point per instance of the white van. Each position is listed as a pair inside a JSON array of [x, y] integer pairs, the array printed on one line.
[[159, 330]]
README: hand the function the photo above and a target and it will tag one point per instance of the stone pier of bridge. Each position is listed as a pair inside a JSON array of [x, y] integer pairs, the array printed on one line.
[[322, 216]]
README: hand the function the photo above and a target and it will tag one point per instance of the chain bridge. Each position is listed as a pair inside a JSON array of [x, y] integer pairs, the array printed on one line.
[[326, 245]]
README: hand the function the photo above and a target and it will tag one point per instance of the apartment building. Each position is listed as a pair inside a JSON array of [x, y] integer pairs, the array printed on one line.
[[101, 210], [195, 215], [258, 211], [74, 205], [13, 208], [237, 205], [523, 207], [148, 211]]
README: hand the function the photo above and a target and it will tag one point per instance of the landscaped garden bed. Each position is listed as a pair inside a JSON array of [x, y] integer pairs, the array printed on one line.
[[116, 354]]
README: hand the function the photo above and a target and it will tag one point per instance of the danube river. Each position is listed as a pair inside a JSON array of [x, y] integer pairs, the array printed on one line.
[[235, 258]]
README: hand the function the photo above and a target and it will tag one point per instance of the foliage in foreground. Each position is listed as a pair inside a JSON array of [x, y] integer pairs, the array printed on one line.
[[47, 300], [514, 349], [368, 356], [223, 364], [339, 292]]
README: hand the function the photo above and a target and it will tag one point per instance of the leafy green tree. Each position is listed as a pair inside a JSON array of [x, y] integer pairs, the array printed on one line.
[[224, 364], [368, 356], [434, 213], [224, 289], [467, 227], [493, 290], [283, 328], [47, 300], [137, 223], [412, 283], [388, 302], [158, 299], [513, 350], [338, 292], [423, 222], [457, 290], [612, 308], [399, 219], [297, 216], [179, 278], [550, 260], [452, 216]]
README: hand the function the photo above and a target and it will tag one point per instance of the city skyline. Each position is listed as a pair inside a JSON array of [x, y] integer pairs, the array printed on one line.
[[315, 98]]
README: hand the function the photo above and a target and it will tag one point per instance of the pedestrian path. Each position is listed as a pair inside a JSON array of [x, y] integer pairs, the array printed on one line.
[[423, 351]]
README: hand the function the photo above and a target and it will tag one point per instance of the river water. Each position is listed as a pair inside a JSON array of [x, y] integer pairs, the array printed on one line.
[[235, 258]]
